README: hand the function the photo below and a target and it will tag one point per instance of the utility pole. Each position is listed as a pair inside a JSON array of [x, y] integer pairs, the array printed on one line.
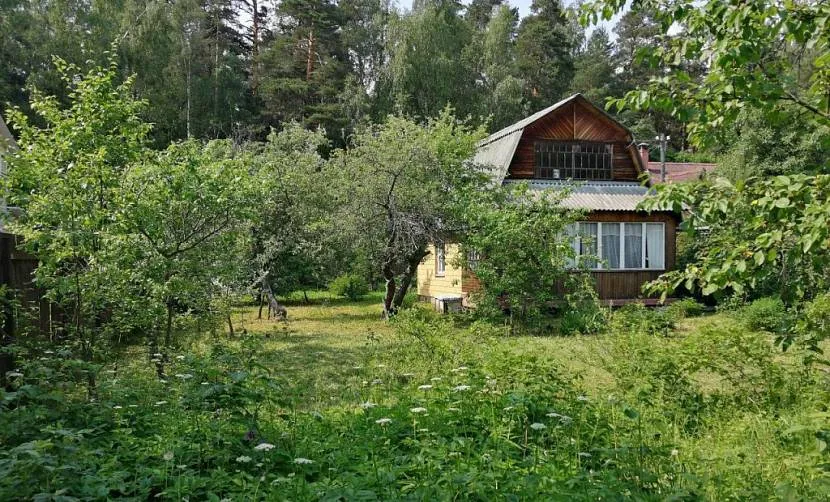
[[663, 139]]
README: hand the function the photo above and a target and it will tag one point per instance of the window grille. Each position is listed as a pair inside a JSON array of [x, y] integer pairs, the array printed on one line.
[[579, 161]]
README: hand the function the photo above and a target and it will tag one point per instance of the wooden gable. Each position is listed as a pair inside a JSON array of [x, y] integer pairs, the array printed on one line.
[[577, 120]]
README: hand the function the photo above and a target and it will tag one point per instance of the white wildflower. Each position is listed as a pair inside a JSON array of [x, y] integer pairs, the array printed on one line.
[[157, 354], [168, 456], [582, 398], [383, 421], [367, 405], [264, 447], [435, 379], [48, 351], [460, 388], [424, 387], [508, 408], [243, 459], [675, 453], [453, 409], [536, 426], [584, 454], [301, 460], [407, 375], [180, 358], [116, 407], [419, 409], [14, 374], [184, 376], [161, 403], [377, 381], [381, 365], [459, 369], [182, 466], [205, 383]]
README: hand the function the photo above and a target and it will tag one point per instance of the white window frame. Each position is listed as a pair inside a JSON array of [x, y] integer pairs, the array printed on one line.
[[440, 260], [622, 268]]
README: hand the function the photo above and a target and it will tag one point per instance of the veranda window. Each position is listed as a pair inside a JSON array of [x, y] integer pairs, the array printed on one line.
[[620, 246], [579, 161]]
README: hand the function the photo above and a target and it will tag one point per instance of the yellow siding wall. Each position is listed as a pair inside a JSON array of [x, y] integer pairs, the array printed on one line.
[[449, 284]]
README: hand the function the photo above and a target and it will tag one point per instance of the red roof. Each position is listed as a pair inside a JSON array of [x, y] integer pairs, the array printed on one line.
[[679, 171]]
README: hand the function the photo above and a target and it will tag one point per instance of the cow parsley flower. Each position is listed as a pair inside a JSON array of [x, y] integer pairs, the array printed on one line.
[[460, 388], [536, 426], [301, 460], [367, 405], [168, 456], [675, 452], [264, 447], [459, 369], [243, 459], [161, 403], [582, 398], [14, 374], [383, 421], [116, 407], [377, 381], [424, 387], [180, 358], [419, 409], [435, 379], [184, 376]]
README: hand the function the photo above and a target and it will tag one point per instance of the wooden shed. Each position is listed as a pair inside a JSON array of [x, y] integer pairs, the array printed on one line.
[[575, 144]]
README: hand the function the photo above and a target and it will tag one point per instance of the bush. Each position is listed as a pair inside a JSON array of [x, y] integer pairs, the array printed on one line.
[[584, 316], [637, 318], [766, 314], [349, 286], [686, 307]]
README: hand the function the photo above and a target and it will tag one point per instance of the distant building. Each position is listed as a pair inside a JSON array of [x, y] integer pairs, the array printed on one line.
[[676, 172]]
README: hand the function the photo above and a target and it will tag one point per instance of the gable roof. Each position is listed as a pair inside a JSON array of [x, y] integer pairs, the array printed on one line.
[[497, 150]]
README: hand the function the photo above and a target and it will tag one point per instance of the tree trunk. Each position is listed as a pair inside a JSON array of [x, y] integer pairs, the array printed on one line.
[[406, 281], [230, 325], [255, 47], [309, 65], [389, 297], [260, 299]]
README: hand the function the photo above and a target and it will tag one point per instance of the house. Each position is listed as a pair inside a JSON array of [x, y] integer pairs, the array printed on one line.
[[676, 172], [572, 141]]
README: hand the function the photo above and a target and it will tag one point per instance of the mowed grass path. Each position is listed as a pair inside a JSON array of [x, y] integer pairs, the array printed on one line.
[[330, 347]]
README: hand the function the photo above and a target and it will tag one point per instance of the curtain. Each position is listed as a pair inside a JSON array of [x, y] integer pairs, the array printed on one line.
[[633, 245], [588, 244], [655, 246], [611, 244], [573, 240]]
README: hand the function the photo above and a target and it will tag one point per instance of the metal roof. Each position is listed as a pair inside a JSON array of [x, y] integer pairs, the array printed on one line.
[[595, 195]]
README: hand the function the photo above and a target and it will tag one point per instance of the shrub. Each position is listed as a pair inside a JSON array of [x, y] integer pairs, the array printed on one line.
[[349, 286], [766, 314], [637, 318], [812, 327], [584, 316], [687, 307]]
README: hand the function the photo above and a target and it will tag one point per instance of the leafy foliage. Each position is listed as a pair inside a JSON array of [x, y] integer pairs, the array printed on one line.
[[349, 286], [764, 235]]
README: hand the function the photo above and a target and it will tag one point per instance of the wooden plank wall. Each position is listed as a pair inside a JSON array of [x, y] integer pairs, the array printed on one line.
[[429, 284], [575, 122]]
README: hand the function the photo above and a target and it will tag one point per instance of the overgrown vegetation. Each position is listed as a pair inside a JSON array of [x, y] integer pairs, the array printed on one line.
[[339, 404]]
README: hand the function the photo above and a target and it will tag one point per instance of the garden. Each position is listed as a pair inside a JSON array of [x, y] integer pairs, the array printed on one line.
[[337, 404]]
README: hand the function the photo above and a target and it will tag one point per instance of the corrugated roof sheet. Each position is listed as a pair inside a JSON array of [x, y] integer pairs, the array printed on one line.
[[596, 195]]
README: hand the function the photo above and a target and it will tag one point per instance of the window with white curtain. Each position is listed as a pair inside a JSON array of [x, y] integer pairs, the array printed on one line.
[[611, 245], [440, 259], [655, 246], [633, 245], [620, 246]]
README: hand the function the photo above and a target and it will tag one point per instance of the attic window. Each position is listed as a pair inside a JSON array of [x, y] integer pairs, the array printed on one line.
[[579, 161]]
